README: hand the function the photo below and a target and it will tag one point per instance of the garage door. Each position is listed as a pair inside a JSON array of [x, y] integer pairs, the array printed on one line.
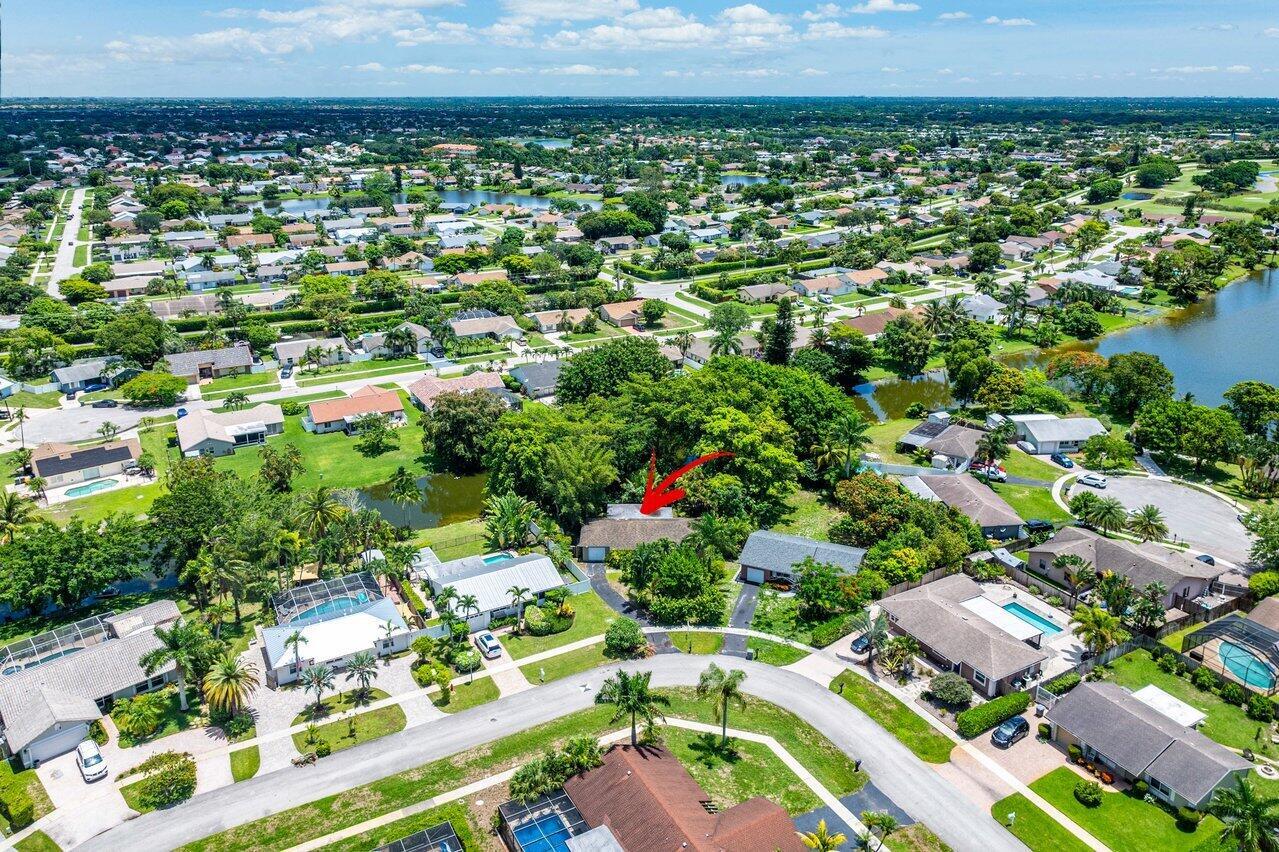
[[58, 743], [596, 554], [755, 575]]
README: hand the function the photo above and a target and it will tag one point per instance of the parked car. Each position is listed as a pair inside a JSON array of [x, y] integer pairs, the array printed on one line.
[[1206, 559], [108, 592], [95, 387], [90, 761], [105, 403], [1039, 525], [860, 645], [71, 394], [1026, 447], [286, 371], [993, 472], [825, 299], [488, 645], [1063, 460], [1093, 480], [182, 412], [1010, 732]]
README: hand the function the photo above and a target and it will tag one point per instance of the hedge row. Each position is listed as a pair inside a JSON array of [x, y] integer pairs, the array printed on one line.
[[716, 266], [831, 631], [983, 717], [16, 806], [1059, 686], [538, 622]]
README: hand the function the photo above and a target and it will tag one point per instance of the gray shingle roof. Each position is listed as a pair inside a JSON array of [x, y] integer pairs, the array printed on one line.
[[972, 498], [626, 533], [537, 377], [189, 363], [776, 551], [1064, 429], [1148, 563]]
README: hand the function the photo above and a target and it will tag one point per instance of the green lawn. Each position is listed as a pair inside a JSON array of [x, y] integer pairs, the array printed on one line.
[[14, 777], [333, 813], [132, 794], [774, 653], [915, 733], [455, 813], [337, 702], [467, 695], [592, 618], [27, 399], [37, 841], [916, 837], [245, 763], [697, 641], [1031, 501], [1032, 826], [883, 437], [564, 665], [1122, 822], [175, 718], [81, 256], [778, 615], [465, 538], [368, 370], [332, 459], [1023, 464], [133, 500], [810, 516], [739, 771], [240, 381], [345, 733]]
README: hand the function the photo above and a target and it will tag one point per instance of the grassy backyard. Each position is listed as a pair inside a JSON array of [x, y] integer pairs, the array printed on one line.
[[13, 777], [592, 617], [883, 438], [738, 771], [1031, 501], [915, 733], [133, 500], [465, 538], [809, 516], [1023, 464]]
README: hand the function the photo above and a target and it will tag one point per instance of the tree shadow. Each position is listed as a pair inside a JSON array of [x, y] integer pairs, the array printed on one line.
[[709, 750]]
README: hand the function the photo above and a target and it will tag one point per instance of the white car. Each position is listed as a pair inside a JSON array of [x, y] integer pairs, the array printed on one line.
[[90, 761], [488, 645], [1094, 480]]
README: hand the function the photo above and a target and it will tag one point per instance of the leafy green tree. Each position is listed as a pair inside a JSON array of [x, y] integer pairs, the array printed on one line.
[[456, 428], [376, 436], [278, 465], [874, 628], [779, 334], [1099, 629], [1263, 523], [907, 345], [507, 520], [630, 695], [844, 444], [136, 334], [153, 389], [602, 369], [1136, 379]]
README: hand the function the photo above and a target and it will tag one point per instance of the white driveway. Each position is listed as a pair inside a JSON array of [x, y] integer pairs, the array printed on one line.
[[82, 810], [1205, 522]]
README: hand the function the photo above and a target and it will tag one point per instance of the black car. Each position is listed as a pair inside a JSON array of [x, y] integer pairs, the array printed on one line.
[[105, 403], [1036, 525], [1206, 559], [1010, 732], [860, 645]]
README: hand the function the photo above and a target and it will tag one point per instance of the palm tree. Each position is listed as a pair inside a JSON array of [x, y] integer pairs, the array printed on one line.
[[362, 668], [108, 430], [229, 684], [630, 694], [1251, 820], [1147, 523], [296, 640], [400, 339], [466, 604], [683, 342], [317, 679], [1108, 515], [181, 645], [875, 628], [20, 417], [724, 687], [507, 520], [1074, 569], [518, 595], [898, 653], [725, 342], [15, 513], [236, 400], [214, 614], [316, 510], [822, 840], [985, 284], [404, 487], [879, 821], [36, 486], [1099, 629], [1015, 297], [991, 447], [844, 443]]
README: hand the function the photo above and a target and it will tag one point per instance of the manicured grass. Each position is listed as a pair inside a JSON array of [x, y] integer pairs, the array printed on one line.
[[240, 381], [342, 734], [370, 371], [133, 500], [27, 399], [37, 841], [81, 256], [335, 703], [1040, 832], [332, 813], [564, 665], [602, 332], [916, 838], [467, 695], [883, 437], [810, 516], [592, 617], [697, 641], [1031, 501], [245, 763], [175, 718], [455, 813], [465, 538], [915, 733], [1018, 463], [332, 459], [1121, 821], [774, 653], [738, 771], [13, 777], [253, 389]]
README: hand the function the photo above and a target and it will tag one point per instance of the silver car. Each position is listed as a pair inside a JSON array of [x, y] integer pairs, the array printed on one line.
[[1094, 480], [488, 645]]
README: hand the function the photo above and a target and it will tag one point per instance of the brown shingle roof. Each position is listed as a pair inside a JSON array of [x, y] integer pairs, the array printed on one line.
[[626, 533]]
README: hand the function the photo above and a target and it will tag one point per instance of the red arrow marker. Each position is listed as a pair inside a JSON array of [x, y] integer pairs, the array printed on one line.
[[664, 495]]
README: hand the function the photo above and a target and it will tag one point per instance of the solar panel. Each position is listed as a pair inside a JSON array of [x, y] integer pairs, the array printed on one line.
[[929, 429]]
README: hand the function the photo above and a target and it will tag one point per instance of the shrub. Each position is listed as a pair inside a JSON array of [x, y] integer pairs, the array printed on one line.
[[951, 689], [1088, 793], [1062, 684], [1167, 663], [983, 717], [1188, 819], [1045, 730], [546, 620], [916, 411], [988, 571], [623, 638], [1233, 693], [323, 749], [1261, 708], [1140, 788], [169, 779], [830, 632], [1263, 584], [233, 726], [17, 807], [466, 661], [1203, 679], [98, 733], [289, 408], [1074, 751]]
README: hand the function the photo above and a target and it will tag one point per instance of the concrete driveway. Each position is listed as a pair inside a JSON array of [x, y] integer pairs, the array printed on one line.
[[82, 810], [1207, 523]]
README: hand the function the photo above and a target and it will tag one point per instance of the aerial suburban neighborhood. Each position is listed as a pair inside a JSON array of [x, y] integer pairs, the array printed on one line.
[[548, 427]]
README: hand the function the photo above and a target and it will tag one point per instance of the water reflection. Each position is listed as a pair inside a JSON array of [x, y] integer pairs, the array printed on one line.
[[474, 197], [446, 499]]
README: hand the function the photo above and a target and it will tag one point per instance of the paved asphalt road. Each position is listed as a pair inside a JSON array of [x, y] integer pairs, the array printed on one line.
[[910, 783], [64, 257], [1206, 523]]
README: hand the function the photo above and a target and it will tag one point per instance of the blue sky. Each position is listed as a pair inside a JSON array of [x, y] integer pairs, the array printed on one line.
[[640, 47]]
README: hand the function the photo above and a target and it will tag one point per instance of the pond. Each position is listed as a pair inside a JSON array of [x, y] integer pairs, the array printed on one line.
[[550, 143], [747, 180], [1137, 196], [1209, 346], [474, 197], [446, 499]]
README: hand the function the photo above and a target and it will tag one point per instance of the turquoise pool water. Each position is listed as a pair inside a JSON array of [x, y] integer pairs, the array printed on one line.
[[1032, 618], [1246, 666], [333, 607], [494, 558], [91, 487], [545, 834]]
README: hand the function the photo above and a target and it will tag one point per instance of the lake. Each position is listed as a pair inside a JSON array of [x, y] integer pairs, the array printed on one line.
[[548, 142], [746, 180], [1137, 196], [1209, 346], [446, 500], [474, 197]]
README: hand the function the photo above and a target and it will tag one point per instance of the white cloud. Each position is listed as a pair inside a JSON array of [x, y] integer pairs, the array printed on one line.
[[568, 10], [822, 12], [813, 72], [1238, 69], [835, 30], [953, 16], [212, 46], [966, 80], [1217, 27], [760, 72], [500, 71], [580, 70], [1273, 32], [871, 7], [674, 73], [1009, 22], [1187, 69], [888, 69], [750, 26], [944, 71], [666, 28], [417, 68], [443, 32], [369, 66]]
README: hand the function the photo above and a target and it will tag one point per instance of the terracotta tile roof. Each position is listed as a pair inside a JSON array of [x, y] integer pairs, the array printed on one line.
[[427, 388], [366, 400]]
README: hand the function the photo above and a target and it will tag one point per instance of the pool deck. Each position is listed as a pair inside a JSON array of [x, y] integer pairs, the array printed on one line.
[[1213, 660], [54, 496]]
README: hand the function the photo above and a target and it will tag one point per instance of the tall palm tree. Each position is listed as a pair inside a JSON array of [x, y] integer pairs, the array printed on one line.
[[315, 511], [507, 519], [317, 679], [467, 604], [991, 447], [404, 488], [1251, 819], [20, 417], [362, 668], [844, 443], [683, 341], [296, 640], [181, 645], [230, 683], [400, 340], [15, 513], [726, 342], [1016, 295], [724, 688], [519, 594], [822, 839], [1099, 629], [1074, 569], [1147, 523], [875, 628], [630, 694], [1108, 515]]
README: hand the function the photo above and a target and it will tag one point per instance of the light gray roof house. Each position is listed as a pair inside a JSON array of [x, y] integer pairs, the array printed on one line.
[[780, 553], [82, 371], [1143, 564], [189, 364], [1143, 742], [489, 579], [1058, 430]]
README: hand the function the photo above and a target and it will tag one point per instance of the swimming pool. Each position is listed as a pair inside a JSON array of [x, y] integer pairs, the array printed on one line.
[[1032, 618], [91, 487], [1246, 666], [40, 662], [333, 607], [494, 558], [544, 834]]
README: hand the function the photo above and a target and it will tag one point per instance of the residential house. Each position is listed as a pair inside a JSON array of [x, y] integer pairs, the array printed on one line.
[[344, 414], [471, 279], [411, 260], [348, 268], [293, 352], [612, 245], [210, 363], [625, 527], [983, 308], [752, 293], [560, 320], [210, 279], [235, 241], [623, 314], [66, 464], [480, 322], [772, 556], [873, 324], [538, 379], [208, 433], [1048, 433], [952, 447], [971, 498], [423, 392], [374, 342], [489, 578]]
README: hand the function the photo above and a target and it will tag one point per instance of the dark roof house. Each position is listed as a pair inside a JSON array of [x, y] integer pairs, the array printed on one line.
[[770, 555]]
